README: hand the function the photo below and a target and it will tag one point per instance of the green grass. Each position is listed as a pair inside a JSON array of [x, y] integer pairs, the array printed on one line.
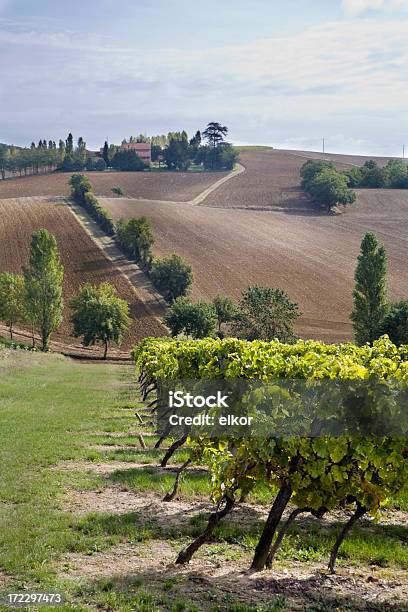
[[49, 407], [193, 484], [43, 398]]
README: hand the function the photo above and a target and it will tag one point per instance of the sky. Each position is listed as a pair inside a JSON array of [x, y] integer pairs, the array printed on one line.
[[284, 74]]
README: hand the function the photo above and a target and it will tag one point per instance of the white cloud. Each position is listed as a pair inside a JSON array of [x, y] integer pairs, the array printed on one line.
[[346, 77], [357, 7]]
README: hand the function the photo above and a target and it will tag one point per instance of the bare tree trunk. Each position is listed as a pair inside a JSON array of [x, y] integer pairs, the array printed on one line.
[[360, 511], [282, 532], [215, 517], [106, 348], [271, 525], [170, 452], [172, 495]]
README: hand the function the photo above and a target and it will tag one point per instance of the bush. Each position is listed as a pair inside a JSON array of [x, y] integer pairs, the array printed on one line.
[[127, 160], [311, 169], [172, 276], [396, 323], [325, 185], [197, 320]]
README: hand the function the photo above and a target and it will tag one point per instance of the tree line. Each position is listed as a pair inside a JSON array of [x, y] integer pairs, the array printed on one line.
[[177, 151], [171, 275], [35, 298], [328, 187]]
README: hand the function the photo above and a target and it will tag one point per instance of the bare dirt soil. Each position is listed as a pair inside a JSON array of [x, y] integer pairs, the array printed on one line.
[[287, 244], [176, 186], [83, 261]]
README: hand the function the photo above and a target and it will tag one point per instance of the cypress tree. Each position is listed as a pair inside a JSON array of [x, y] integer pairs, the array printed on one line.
[[43, 282], [370, 293]]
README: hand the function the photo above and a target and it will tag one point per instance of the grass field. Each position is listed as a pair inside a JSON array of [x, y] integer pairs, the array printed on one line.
[[81, 512]]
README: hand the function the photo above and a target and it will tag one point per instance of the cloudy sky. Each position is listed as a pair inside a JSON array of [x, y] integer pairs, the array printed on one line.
[[278, 73]]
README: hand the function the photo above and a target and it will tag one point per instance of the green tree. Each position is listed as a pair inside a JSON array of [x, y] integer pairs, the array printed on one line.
[[172, 276], [395, 324], [311, 169], [370, 293], [266, 314], [330, 188], [215, 133], [69, 144], [105, 153], [136, 237], [99, 315], [397, 172], [11, 299], [372, 175], [127, 160], [198, 320], [43, 283], [177, 154], [225, 309]]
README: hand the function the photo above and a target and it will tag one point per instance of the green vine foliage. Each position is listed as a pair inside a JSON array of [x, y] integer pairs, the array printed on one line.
[[324, 471]]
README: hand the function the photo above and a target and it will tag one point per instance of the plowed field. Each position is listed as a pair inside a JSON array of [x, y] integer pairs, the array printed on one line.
[[176, 186], [83, 260], [310, 255]]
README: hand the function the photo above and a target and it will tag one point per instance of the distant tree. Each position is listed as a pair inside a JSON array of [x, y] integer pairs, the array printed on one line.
[[215, 133], [12, 299], [90, 164], [100, 164], [395, 323], [225, 309], [105, 153], [329, 188], [354, 176], [4, 157], [311, 169], [136, 236], [177, 154], [99, 315], [397, 172], [172, 276], [127, 160], [370, 293], [266, 314], [157, 151], [69, 144], [372, 175], [43, 284], [197, 320], [195, 142], [118, 191]]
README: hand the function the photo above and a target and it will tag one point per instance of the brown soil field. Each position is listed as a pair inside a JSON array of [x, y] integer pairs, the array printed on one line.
[[175, 186], [83, 261], [310, 255], [271, 180]]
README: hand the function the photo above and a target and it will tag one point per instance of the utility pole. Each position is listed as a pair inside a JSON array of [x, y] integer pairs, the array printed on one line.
[[403, 151], [323, 145]]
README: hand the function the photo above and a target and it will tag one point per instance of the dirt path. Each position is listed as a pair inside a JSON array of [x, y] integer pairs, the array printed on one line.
[[239, 169], [143, 288]]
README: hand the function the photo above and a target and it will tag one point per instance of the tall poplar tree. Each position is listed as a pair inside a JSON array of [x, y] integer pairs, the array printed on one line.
[[370, 293], [43, 281]]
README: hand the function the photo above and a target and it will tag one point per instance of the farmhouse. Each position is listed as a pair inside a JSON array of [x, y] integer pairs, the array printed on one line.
[[143, 149]]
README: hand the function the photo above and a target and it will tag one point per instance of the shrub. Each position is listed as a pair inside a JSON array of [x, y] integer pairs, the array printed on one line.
[[136, 239]]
